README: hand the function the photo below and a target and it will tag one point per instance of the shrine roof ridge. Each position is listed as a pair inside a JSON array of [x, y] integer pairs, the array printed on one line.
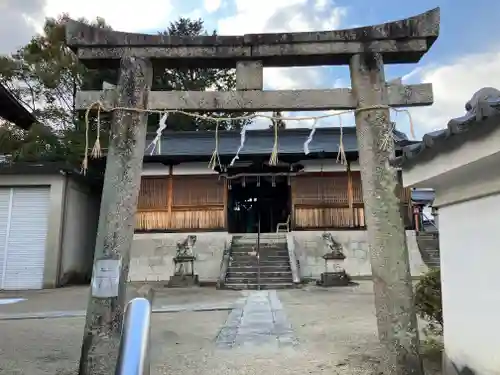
[[326, 140], [481, 119], [13, 111], [410, 37]]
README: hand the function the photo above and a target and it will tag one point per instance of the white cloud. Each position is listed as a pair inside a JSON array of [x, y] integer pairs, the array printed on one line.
[[212, 5], [286, 16], [454, 84], [26, 17], [122, 15]]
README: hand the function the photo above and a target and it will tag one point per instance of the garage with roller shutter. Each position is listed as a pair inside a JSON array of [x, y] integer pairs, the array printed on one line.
[[48, 224], [24, 216]]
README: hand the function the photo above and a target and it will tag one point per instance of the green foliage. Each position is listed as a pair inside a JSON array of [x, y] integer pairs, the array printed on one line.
[[195, 79], [45, 76], [428, 299]]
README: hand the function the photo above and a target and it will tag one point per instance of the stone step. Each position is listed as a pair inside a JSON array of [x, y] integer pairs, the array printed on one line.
[[265, 250], [262, 257], [254, 274], [432, 252], [428, 244], [246, 249], [428, 234], [243, 280], [254, 269], [255, 263], [261, 287], [242, 249], [262, 242], [262, 236]]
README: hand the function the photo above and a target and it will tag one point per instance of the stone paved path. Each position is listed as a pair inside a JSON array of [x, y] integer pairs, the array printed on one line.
[[257, 319]]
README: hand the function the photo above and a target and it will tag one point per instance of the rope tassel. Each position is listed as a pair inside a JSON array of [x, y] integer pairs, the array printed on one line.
[[273, 160], [215, 159]]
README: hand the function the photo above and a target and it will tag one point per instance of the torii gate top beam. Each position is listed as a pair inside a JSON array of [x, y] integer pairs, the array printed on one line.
[[404, 41]]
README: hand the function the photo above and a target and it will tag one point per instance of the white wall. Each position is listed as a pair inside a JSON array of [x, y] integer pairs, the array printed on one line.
[[326, 165], [152, 254], [201, 168], [159, 169], [470, 259], [442, 169], [81, 217], [309, 249]]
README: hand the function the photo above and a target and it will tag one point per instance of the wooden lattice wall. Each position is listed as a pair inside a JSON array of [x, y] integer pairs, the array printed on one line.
[[327, 200], [181, 203], [330, 200], [334, 200]]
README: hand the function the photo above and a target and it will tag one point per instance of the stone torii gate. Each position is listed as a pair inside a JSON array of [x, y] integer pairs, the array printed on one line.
[[364, 49]]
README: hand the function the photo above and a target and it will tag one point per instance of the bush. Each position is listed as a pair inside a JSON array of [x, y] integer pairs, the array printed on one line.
[[428, 299]]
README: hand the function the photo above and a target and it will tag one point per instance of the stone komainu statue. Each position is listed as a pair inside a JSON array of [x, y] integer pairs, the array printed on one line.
[[185, 248]]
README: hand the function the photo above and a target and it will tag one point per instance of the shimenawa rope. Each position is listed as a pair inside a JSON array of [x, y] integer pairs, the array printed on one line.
[[96, 151]]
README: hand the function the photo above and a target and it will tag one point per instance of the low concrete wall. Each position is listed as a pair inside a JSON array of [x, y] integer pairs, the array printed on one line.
[[152, 255], [309, 249]]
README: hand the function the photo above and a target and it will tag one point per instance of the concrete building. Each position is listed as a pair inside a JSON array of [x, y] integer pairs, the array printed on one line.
[[309, 194], [48, 223], [48, 217], [461, 164]]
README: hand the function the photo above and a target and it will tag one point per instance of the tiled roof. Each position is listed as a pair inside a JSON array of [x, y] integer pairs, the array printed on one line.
[[13, 111], [482, 117], [423, 196], [257, 142]]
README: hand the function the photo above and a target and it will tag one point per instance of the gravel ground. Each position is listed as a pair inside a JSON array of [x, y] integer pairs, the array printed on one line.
[[336, 330], [75, 298]]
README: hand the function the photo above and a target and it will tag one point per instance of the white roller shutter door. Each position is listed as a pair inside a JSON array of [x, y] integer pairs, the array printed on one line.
[[5, 197], [24, 237]]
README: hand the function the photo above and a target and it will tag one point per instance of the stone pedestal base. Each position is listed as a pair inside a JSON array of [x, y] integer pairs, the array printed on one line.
[[334, 279], [183, 281]]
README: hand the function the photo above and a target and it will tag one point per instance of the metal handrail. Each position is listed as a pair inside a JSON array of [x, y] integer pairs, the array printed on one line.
[[133, 358], [429, 220]]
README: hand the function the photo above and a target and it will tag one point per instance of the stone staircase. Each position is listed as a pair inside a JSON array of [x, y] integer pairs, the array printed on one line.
[[274, 263], [428, 244]]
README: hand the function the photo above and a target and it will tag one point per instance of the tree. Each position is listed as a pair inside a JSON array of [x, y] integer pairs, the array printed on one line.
[[278, 121], [39, 144], [195, 79], [45, 75]]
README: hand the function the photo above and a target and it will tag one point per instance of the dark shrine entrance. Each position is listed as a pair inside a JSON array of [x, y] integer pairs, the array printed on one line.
[[257, 203]]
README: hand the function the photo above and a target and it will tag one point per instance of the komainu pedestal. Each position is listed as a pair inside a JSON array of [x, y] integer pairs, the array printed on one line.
[[335, 274], [184, 275]]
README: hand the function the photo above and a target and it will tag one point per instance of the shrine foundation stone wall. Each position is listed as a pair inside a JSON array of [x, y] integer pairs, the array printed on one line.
[[152, 254], [309, 249]]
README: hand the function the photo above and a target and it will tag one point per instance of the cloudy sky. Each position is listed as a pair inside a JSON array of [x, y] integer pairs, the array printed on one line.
[[465, 58]]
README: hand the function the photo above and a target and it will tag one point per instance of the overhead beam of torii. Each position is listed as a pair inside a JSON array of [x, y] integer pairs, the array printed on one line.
[[364, 49]]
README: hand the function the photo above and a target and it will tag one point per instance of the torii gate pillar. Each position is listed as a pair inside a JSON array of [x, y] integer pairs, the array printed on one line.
[[396, 319], [363, 49], [115, 232]]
